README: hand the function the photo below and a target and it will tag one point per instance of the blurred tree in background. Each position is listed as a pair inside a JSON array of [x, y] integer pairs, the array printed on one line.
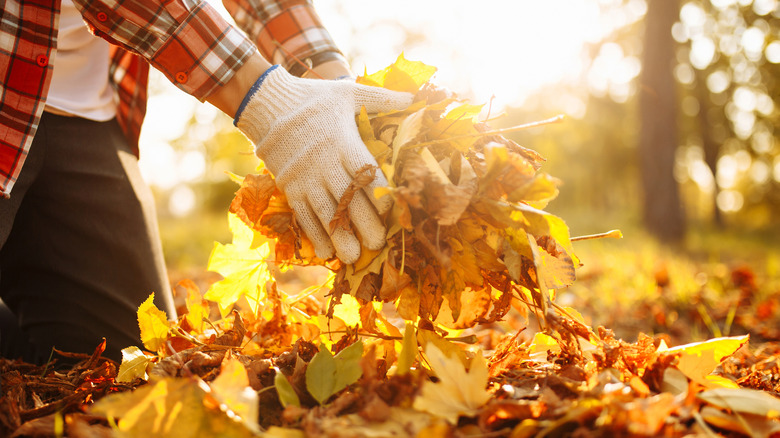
[[725, 64], [661, 210]]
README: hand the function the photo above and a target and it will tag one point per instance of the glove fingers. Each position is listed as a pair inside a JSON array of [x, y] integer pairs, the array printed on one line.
[[310, 224], [347, 245], [324, 206], [377, 100], [354, 162], [368, 224]]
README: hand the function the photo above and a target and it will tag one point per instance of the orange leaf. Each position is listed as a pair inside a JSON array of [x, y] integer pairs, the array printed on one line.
[[252, 198]]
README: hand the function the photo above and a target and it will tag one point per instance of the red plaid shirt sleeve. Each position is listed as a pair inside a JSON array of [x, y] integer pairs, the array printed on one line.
[[188, 41], [287, 32]]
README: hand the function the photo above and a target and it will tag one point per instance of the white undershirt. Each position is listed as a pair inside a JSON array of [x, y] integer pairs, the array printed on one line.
[[79, 84]]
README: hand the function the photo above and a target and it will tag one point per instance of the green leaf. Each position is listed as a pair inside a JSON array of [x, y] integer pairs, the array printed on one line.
[[320, 375], [327, 375], [348, 369], [284, 389]]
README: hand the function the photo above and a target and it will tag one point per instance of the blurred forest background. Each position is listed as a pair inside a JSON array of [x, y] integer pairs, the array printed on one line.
[[671, 133]]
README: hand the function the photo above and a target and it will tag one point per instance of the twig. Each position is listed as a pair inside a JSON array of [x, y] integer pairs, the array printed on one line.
[[613, 234]]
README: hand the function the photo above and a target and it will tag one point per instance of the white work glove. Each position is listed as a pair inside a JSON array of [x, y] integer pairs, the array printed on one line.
[[305, 132]]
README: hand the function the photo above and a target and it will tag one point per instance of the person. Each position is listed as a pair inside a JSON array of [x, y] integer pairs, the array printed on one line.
[[80, 248]]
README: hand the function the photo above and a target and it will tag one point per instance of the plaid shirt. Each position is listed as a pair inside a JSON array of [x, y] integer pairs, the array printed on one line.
[[186, 40]]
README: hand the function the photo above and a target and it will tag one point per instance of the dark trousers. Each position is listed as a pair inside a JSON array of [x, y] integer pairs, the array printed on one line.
[[80, 246]]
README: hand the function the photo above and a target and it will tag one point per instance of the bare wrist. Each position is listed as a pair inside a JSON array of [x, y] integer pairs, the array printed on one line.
[[229, 97], [329, 70]]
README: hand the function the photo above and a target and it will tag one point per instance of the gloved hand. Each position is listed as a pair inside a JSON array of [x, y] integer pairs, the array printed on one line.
[[305, 132]]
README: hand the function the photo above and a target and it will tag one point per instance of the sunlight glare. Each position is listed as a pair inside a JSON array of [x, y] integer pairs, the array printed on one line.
[[776, 169], [182, 200], [509, 49]]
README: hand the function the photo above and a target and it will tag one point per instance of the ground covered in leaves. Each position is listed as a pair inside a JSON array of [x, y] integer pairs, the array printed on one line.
[[468, 323]]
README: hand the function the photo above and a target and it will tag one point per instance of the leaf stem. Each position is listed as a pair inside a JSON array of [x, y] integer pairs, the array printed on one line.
[[613, 234]]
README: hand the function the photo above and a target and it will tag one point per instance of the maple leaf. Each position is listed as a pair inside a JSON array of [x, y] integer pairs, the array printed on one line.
[[154, 325], [252, 198], [403, 75], [457, 392], [244, 268]]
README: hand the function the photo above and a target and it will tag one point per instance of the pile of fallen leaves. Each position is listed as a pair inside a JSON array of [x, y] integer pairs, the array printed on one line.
[[379, 349], [466, 233], [545, 387]]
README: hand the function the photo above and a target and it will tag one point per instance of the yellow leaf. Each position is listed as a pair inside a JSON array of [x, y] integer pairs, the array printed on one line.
[[408, 303], [715, 381], [282, 432], [231, 388], [408, 351], [457, 392], [197, 311], [428, 337], [699, 359], [134, 365], [458, 121], [403, 75], [348, 310], [541, 345], [153, 324], [408, 130], [245, 269], [364, 126], [170, 407]]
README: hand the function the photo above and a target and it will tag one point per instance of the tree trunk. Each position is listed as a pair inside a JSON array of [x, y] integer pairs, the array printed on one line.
[[662, 210], [710, 146]]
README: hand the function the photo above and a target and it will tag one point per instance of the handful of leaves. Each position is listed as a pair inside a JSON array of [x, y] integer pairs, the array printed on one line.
[[467, 231]]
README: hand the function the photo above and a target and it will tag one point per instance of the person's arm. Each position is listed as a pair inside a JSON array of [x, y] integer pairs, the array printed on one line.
[[229, 97], [290, 33], [303, 129]]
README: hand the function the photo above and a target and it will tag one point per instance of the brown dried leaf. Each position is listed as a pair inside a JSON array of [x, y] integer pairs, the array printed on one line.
[[252, 198], [393, 281], [408, 304], [363, 178]]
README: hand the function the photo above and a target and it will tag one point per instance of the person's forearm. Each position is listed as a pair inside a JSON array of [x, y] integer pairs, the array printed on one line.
[[229, 97], [329, 70]]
